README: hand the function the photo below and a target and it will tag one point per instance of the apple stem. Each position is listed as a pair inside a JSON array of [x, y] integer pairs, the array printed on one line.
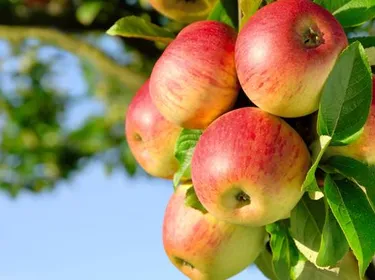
[[313, 38]]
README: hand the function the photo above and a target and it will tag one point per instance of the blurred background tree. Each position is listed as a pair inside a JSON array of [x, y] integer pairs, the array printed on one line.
[[39, 40]]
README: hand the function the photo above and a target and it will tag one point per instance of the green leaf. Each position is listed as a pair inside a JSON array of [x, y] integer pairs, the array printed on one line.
[[333, 246], [191, 200], [225, 11], [184, 149], [346, 97], [307, 222], [286, 259], [366, 42], [359, 172], [319, 147], [247, 9], [355, 12], [88, 11], [347, 271], [306, 225], [350, 12], [369, 44], [137, 27], [264, 264], [355, 216], [128, 161], [311, 272], [331, 5]]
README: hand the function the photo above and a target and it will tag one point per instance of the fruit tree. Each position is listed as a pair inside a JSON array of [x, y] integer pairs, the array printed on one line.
[[262, 115]]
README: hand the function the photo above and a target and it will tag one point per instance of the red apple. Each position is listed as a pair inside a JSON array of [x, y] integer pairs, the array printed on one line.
[[203, 247], [248, 167], [285, 53], [150, 136], [362, 149], [183, 10], [195, 81]]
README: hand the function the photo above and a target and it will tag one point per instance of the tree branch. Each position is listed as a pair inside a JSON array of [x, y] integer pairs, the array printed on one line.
[[76, 46], [68, 23]]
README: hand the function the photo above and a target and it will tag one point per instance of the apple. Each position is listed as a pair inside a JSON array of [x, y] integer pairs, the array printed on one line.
[[151, 138], [363, 148], [184, 10], [195, 80], [204, 248], [249, 166], [284, 54]]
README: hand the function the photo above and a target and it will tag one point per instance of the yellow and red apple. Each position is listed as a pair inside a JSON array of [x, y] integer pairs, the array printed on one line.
[[195, 80], [284, 54], [249, 166], [150, 136], [184, 10], [202, 247]]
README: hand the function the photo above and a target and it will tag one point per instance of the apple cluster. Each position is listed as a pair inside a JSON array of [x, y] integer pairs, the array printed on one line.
[[249, 164]]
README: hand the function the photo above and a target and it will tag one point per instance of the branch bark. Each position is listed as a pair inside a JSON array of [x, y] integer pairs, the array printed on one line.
[[82, 49], [68, 23]]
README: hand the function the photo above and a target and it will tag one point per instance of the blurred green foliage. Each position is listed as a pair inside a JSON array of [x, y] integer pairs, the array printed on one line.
[[43, 137]]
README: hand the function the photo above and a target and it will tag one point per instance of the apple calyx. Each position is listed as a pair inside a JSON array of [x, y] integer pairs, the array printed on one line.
[[243, 198], [313, 38], [236, 198], [182, 262], [138, 137]]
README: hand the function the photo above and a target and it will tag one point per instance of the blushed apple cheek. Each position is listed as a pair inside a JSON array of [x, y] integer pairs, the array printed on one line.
[[149, 157], [146, 157]]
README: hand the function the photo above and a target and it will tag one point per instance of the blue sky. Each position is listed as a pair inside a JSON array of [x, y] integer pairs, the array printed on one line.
[[93, 227]]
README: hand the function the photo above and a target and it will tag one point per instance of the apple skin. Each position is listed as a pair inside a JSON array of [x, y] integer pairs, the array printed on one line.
[[248, 167], [195, 80], [183, 10], [279, 72], [150, 136], [363, 148], [216, 249]]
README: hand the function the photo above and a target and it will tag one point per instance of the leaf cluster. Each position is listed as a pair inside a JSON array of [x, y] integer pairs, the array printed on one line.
[[336, 216]]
